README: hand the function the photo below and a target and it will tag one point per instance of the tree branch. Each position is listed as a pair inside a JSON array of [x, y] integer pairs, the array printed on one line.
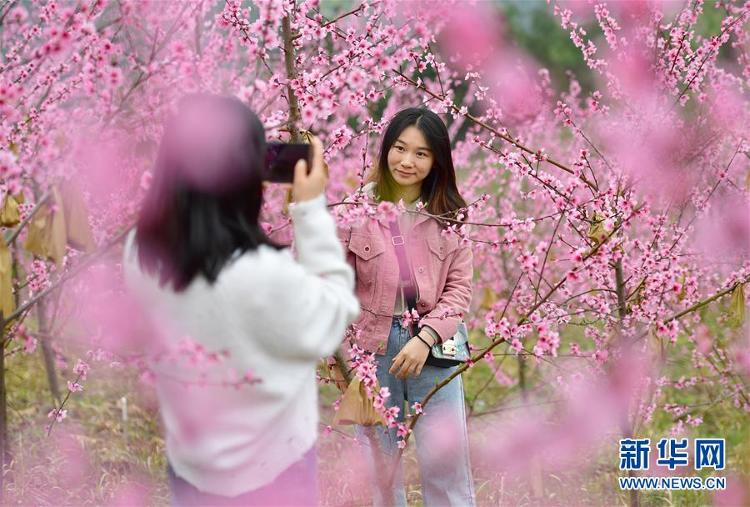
[[13, 235]]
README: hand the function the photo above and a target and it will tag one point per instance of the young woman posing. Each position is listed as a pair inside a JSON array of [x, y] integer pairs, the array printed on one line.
[[414, 165]]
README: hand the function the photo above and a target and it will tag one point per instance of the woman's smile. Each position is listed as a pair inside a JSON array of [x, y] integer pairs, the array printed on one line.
[[410, 161]]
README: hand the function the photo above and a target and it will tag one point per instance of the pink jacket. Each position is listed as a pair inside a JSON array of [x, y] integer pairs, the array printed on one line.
[[442, 269]]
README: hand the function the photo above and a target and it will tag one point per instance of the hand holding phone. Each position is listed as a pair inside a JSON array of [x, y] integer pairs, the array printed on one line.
[[310, 185], [281, 158]]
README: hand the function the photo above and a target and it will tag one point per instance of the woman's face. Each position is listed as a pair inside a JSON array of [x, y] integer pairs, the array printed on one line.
[[410, 159]]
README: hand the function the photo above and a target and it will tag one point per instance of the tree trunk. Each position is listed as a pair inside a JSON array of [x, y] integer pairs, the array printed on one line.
[[292, 125], [291, 73], [47, 352], [3, 412], [535, 472], [537, 483], [627, 430]]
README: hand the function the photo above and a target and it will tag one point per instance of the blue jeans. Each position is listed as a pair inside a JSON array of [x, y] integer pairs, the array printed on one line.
[[296, 486], [441, 437]]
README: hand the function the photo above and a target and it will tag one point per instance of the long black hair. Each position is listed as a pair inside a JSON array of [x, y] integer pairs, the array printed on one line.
[[205, 199], [439, 190]]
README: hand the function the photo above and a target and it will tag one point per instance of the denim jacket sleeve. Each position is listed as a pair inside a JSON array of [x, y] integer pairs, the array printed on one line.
[[453, 303]]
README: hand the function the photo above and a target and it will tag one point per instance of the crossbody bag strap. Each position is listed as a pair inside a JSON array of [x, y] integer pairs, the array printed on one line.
[[404, 271]]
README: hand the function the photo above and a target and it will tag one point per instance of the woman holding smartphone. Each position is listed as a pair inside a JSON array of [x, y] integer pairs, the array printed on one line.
[[415, 165], [207, 275]]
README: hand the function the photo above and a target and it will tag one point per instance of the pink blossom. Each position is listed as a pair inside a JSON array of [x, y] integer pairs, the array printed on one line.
[[736, 493], [57, 414], [601, 356], [528, 261], [516, 345], [473, 34], [29, 345], [402, 430], [81, 369], [74, 387], [725, 229], [146, 178], [387, 211], [408, 318]]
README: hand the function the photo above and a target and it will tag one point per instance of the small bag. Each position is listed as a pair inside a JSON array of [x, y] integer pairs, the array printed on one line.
[[357, 408], [451, 352]]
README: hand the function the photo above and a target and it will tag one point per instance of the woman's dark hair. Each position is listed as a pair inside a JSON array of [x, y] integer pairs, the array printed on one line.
[[206, 193], [439, 191]]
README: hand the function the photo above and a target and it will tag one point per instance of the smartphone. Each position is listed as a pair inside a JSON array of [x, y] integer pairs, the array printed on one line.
[[281, 159]]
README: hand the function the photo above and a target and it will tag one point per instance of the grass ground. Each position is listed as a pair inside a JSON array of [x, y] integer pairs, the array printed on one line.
[[96, 457]]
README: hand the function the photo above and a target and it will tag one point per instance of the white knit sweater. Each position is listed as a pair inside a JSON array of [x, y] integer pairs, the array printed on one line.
[[276, 317]]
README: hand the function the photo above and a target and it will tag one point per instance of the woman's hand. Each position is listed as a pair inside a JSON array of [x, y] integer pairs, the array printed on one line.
[[309, 186], [410, 359]]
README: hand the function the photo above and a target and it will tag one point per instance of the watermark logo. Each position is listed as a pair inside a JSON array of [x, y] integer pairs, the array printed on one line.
[[634, 453], [672, 453], [709, 453]]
